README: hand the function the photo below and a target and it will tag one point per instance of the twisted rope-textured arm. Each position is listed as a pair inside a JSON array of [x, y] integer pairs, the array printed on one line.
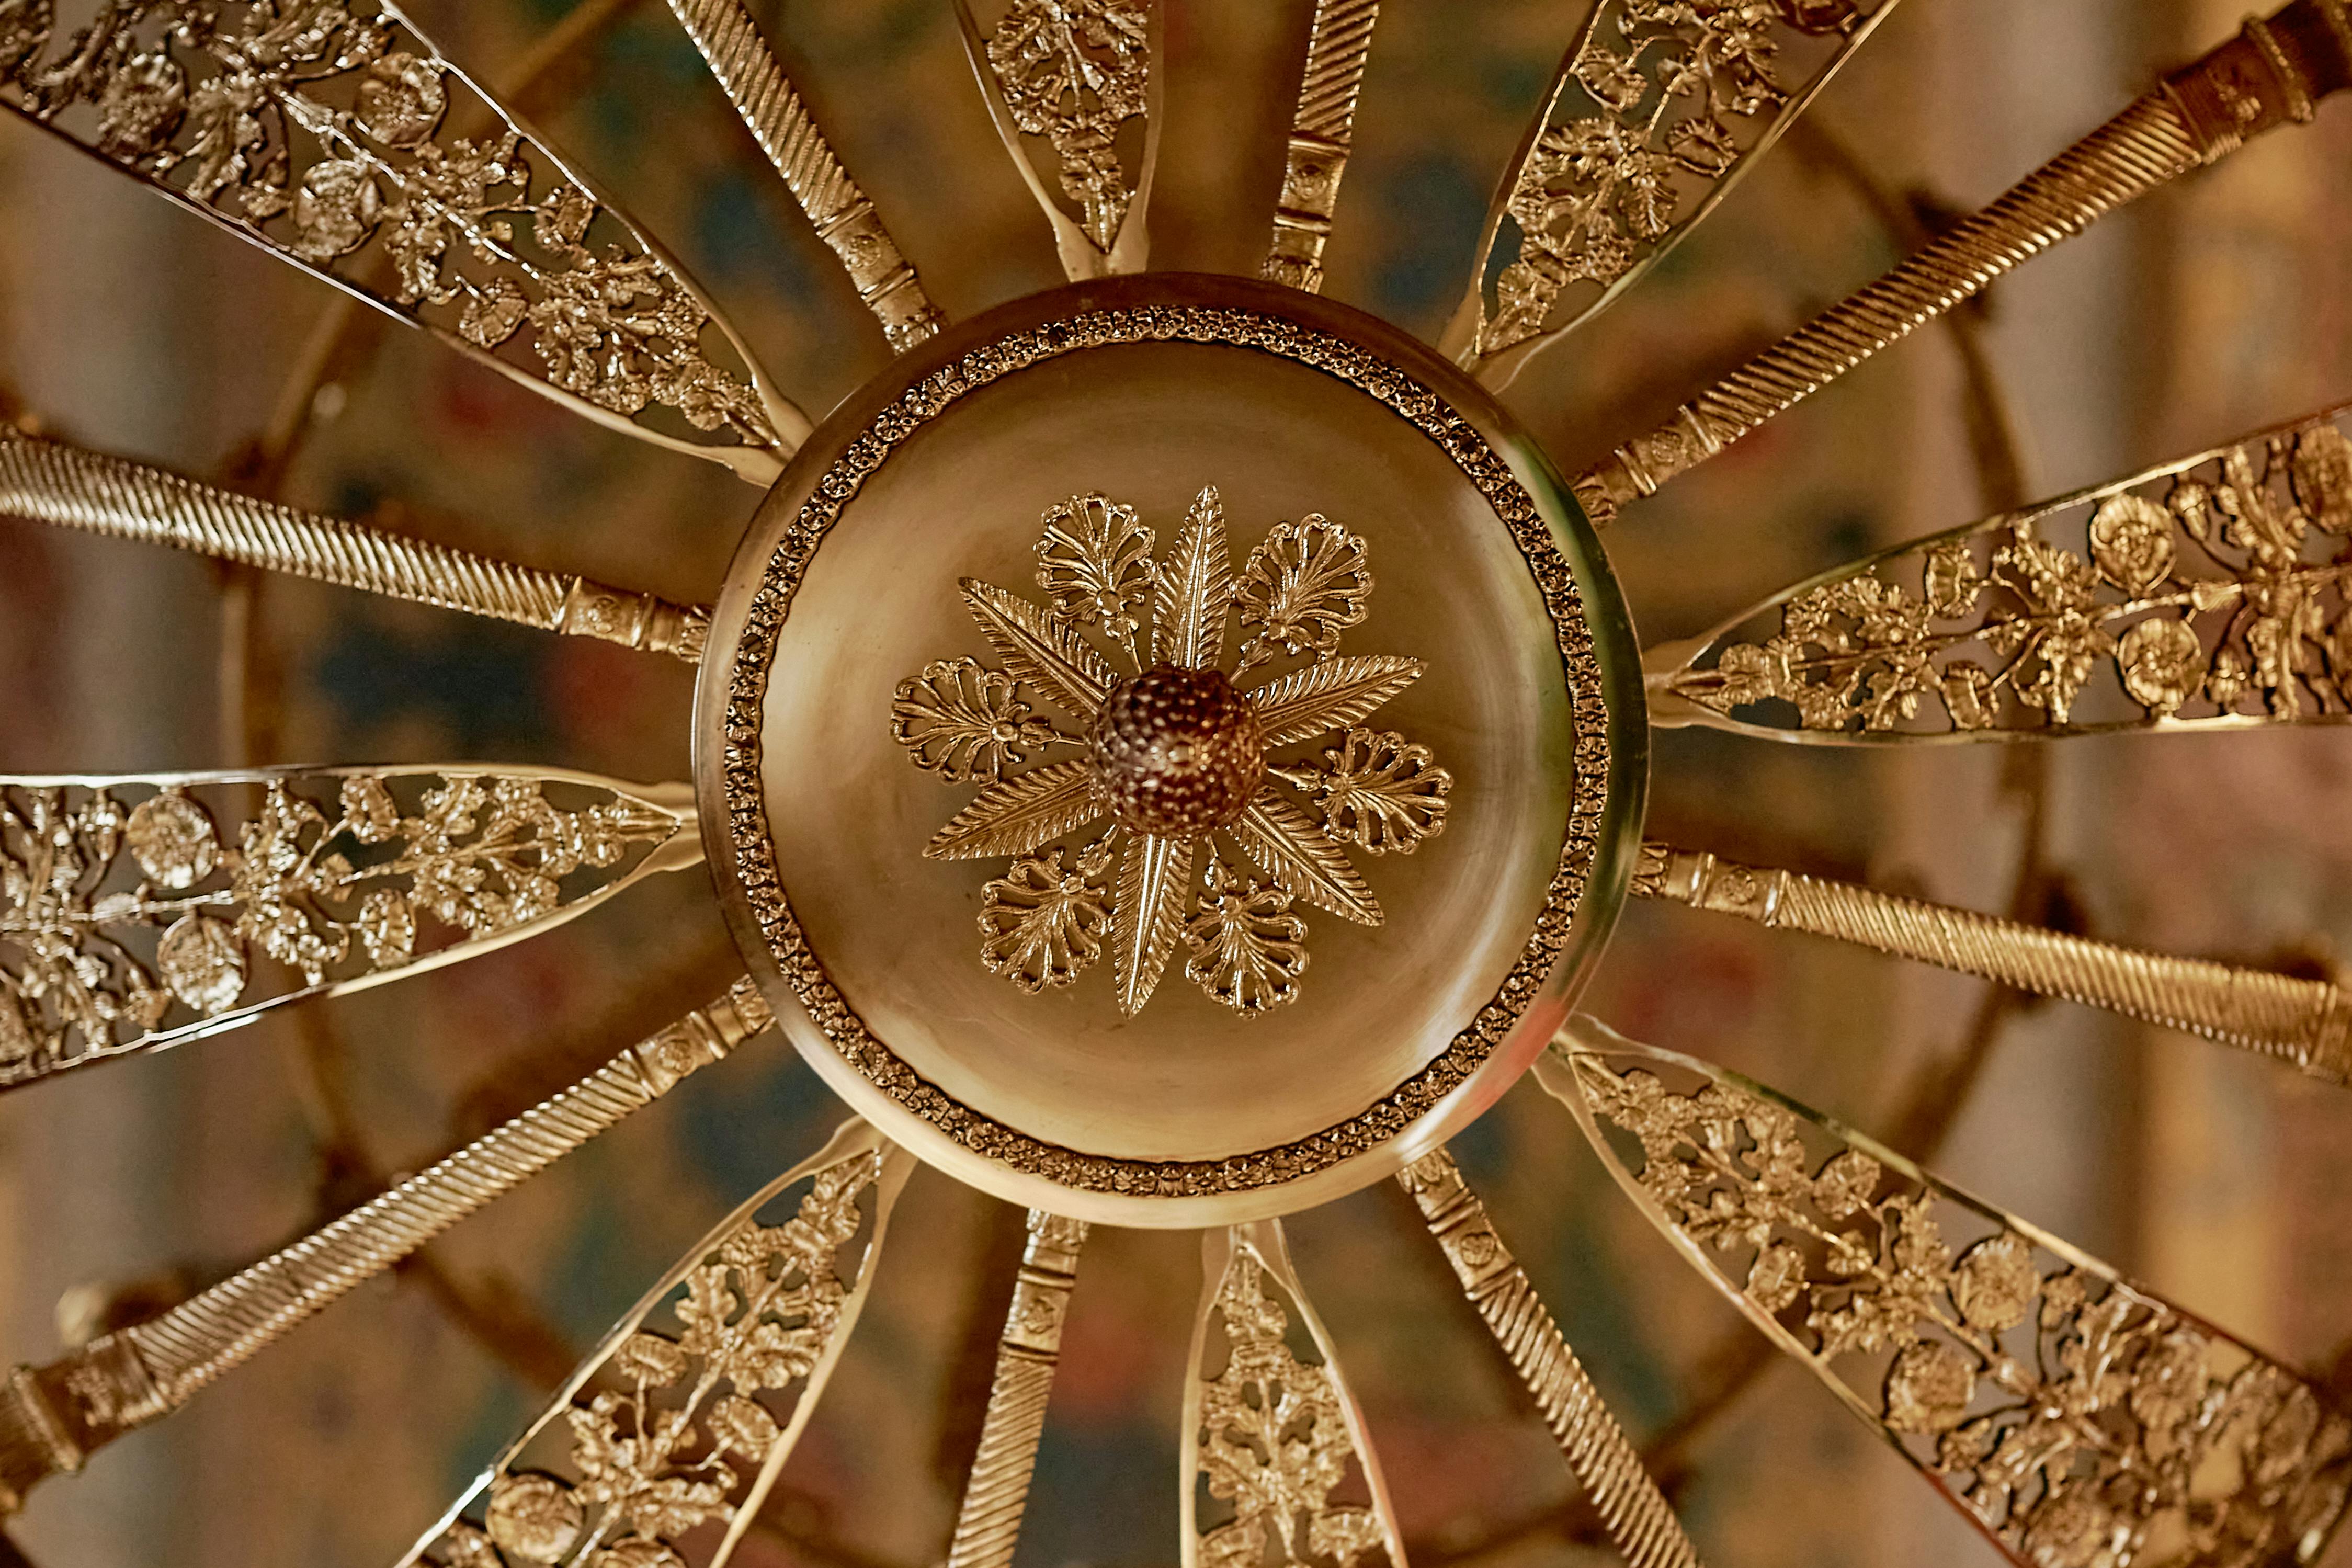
[[51, 482], [53, 1417], [988, 1527], [1321, 133], [1638, 1517], [780, 121], [2306, 1022], [2270, 74]]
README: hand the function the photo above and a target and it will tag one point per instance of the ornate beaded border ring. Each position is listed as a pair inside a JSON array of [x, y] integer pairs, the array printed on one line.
[[746, 810]]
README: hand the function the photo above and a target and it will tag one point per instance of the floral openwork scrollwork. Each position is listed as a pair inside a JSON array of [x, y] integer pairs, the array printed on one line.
[[2082, 1420], [128, 918], [321, 130], [2213, 593], [1657, 107]]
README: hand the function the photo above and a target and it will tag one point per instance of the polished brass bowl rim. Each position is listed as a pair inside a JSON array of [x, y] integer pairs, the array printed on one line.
[[1601, 669]]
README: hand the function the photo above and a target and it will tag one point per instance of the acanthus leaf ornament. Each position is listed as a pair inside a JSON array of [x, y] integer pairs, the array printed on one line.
[[321, 133], [2077, 1418], [1175, 755], [2205, 594], [132, 918]]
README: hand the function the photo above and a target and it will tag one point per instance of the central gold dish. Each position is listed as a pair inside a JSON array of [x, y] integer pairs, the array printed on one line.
[[1187, 586]]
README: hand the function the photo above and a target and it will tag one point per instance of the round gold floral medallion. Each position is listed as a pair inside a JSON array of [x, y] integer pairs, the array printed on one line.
[[1179, 747]]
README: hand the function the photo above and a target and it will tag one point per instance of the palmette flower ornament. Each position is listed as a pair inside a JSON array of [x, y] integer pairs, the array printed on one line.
[[1181, 756]]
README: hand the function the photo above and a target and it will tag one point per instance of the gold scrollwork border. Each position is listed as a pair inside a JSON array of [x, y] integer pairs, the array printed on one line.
[[753, 657]]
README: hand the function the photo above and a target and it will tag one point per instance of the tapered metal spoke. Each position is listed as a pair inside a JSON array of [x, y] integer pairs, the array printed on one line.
[[1322, 132], [1638, 1517], [988, 1525], [2202, 595], [1062, 81], [53, 1417], [1272, 1435], [140, 911], [2305, 1021], [2071, 1414], [781, 123], [1654, 114], [2270, 75], [49, 482], [345, 147], [675, 1427]]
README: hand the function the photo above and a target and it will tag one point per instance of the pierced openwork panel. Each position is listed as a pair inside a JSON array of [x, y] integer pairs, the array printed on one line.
[[1201, 842], [2207, 594], [1657, 107], [658, 1452], [336, 136], [143, 912], [1076, 77], [2078, 1419], [1275, 1446]]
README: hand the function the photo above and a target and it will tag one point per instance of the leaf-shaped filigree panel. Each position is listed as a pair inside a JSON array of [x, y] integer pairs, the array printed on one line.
[[328, 134], [137, 912], [1657, 107], [2205, 594], [1275, 1446], [657, 1453], [1077, 76], [2078, 1419]]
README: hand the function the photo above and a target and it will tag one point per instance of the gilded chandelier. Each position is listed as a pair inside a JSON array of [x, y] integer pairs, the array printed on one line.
[[1156, 498]]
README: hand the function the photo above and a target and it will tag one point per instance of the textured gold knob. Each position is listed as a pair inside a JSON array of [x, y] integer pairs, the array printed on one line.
[[1176, 751]]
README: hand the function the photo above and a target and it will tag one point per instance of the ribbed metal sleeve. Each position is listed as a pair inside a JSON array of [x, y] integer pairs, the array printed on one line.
[[197, 1341], [1336, 52], [1603, 1460], [2305, 1021], [1321, 132], [2300, 1020], [988, 1526], [51, 482], [1630, 1504], [52, 1417], [780, 121], [2147, 146]]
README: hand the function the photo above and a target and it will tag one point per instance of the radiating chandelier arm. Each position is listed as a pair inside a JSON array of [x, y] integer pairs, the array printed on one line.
[[1271, 1434], [2197, 596], [1073, 73], [780, 121], [1654, 114], [53, 1417], [331, 144], [2305, 1021], [2271, 74], [1638, 1517], [988, 1525], [49, 482], [679, 1423], [132, 920], [2069, 1414], [1322, 131]]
